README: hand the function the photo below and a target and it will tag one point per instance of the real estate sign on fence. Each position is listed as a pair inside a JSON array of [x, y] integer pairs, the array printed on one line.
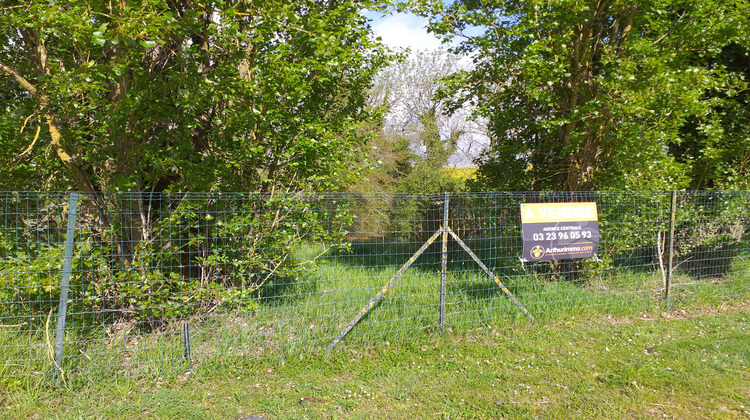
[[559, 231]]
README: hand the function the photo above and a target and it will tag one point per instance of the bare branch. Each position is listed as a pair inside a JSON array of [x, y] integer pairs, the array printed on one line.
[[24, 84]]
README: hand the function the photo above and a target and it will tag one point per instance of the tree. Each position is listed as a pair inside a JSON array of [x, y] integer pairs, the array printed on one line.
[[415, 138], [149, 96], [589, 94], [716, 146], [158, 96]]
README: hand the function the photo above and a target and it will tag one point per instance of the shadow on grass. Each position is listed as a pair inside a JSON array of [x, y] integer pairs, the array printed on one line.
[[383, 253]]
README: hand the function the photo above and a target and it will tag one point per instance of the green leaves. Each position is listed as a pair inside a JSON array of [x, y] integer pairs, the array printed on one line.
[[99, 36], [218, 94], [590, 95]]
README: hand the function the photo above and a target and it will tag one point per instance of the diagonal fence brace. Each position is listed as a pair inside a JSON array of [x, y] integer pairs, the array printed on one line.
[[384, 290], [489, 273]]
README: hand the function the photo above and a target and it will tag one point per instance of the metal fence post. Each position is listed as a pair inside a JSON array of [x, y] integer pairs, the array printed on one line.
[[65, 283], [444, 262], [186, 341], [670, 264]]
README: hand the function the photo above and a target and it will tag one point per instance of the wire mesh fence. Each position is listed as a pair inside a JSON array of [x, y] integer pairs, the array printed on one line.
[[135, 283]]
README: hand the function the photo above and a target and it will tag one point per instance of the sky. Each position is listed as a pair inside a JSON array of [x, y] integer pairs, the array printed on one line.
[[402, 30]]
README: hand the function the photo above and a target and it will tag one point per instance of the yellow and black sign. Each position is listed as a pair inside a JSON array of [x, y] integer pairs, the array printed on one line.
[[559, 231]]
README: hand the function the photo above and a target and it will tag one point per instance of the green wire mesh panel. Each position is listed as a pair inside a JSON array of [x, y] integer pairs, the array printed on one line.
[[161, 282]]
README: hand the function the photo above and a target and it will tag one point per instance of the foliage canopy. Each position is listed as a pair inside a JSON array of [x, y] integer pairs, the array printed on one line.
[[183, 95], [598, 94]]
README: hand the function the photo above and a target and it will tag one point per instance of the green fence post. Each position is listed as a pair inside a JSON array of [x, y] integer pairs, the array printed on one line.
[[186, 342], [65, 284]]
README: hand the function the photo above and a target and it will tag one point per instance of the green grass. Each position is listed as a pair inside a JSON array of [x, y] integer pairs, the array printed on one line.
[[302, 316], [605, 346], [689, 363]]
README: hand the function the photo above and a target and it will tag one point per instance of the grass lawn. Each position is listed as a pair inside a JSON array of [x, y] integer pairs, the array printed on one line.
[[604, 348], [691, 362]]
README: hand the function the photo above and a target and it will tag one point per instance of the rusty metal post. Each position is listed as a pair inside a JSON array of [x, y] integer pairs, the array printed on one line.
[[489, 273], [444, 262]]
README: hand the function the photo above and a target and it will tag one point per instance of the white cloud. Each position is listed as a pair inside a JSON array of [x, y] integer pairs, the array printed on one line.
[[402, 30]]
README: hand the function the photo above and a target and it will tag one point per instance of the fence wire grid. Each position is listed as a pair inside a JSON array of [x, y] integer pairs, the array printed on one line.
[[138, 283]]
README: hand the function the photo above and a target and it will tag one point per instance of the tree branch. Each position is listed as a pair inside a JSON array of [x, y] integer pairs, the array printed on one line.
[[24, 84], [82, 180]]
